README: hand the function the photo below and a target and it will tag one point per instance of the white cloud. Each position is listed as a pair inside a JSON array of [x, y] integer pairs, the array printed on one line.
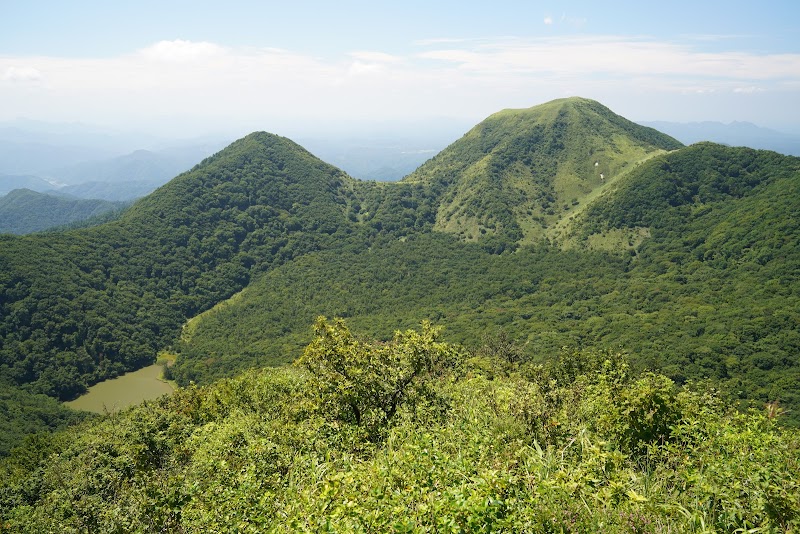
[[22, 74], [376, 57], [179, 50], [615, 56], [702, 90], [359, 68], [441, 77], [548, 20], [440, 40]]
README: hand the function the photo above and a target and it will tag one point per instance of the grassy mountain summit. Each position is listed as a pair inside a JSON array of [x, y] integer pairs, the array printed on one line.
[[519, 172]]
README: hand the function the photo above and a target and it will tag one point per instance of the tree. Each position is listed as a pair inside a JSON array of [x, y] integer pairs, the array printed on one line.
[[364, 383]]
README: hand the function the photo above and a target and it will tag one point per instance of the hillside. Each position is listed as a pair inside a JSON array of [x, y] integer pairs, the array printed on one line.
[[517, 173], [676, 260], [23, 211], [605, 363], [414, 435], [689, 262], [86, 305], [685, 257]]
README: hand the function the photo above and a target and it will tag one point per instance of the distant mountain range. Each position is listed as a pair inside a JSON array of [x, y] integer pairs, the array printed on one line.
[[9, 182], [72, 160], [733, 134], [83, 161], [128, 176], [23, 211]]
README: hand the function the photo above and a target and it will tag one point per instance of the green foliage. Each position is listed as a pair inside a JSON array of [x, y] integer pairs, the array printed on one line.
[[363, 383], [23, 414], [711, 293], [23, 211], [82, 306], [687, 183], [702, 284], [641, 414], [690, 321], [256, 454]]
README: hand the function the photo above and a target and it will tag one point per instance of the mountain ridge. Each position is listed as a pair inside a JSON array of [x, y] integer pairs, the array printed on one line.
[[169, 256], [736, 133], [685, 190], [81, 306], [23, 211]]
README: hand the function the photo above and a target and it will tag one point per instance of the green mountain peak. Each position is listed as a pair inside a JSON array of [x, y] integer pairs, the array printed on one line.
[[180, 250], [518, 173]]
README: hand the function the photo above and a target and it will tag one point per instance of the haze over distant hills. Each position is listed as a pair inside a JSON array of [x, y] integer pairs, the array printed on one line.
[[733, 134], [30, 147], [385, 151], [24, 211], [373, 153], [9, 182], [76, 154]]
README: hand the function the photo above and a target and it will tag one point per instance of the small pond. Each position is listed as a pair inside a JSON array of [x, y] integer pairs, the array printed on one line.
[[117, 393]]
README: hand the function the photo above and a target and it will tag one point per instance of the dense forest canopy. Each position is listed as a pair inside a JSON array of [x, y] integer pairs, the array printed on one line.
[[23, 211], [86, 305], [560, 225]]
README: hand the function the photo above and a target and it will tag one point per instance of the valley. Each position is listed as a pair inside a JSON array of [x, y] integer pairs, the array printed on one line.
[[561, 302]]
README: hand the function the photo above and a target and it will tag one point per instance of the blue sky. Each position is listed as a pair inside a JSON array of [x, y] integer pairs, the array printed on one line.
[[201, 66]]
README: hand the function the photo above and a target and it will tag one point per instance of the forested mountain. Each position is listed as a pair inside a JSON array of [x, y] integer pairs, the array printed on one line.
[[86, 305], [23, 211], [688, 261], [690, 264], [560, 225], [610, 299]]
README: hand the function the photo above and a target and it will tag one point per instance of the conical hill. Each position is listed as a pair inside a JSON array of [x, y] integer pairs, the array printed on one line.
[[517, 173]]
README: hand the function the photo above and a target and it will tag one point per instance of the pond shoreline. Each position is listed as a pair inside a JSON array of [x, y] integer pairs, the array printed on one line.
[[118, 393]]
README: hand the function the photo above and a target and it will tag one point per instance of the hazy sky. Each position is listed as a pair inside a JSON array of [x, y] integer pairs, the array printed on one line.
[[200, 66]]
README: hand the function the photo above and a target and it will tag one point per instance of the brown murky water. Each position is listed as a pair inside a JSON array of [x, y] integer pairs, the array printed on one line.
[[126, 390]]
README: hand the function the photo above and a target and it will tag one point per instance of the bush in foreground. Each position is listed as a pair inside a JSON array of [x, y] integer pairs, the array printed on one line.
[[468, 446]]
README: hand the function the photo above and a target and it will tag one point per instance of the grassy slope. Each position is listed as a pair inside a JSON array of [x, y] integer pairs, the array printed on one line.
[[520, 172]]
